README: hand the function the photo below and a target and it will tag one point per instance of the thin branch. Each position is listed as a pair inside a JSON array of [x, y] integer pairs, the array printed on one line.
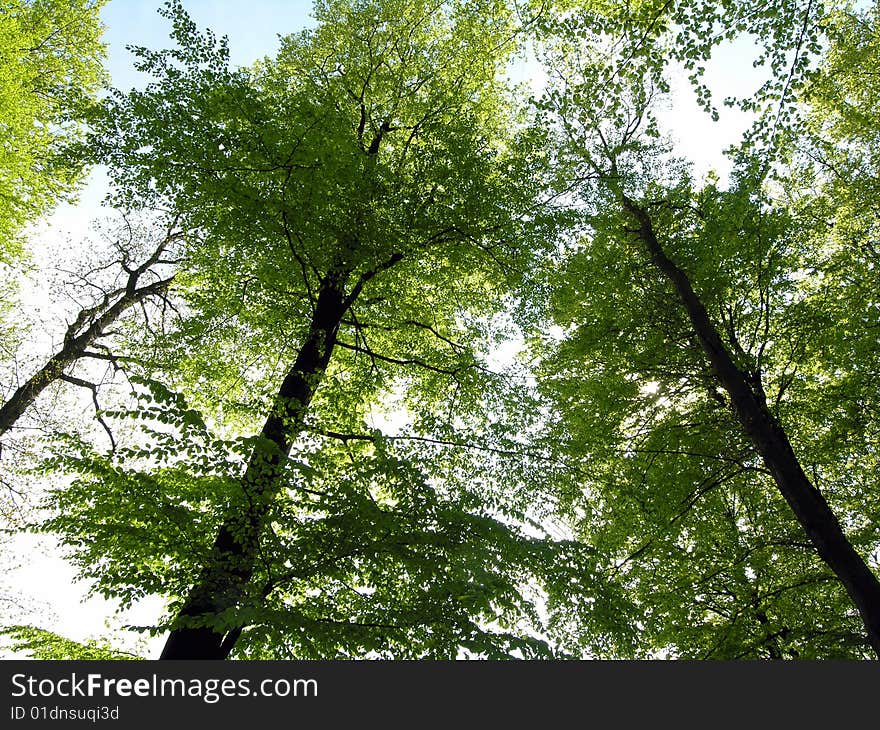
[[94, 390]]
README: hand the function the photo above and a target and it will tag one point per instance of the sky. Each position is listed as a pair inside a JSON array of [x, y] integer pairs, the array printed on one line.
[[253, 27]]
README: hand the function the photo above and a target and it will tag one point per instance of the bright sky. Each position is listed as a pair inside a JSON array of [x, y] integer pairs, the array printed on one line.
[[253, 27]]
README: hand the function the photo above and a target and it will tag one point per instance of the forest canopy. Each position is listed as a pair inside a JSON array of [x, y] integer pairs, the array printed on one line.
[[384, 354]]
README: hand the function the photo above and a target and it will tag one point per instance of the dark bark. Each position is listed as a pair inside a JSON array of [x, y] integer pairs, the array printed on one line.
[[75, 347], [223, 583], [771, 442]]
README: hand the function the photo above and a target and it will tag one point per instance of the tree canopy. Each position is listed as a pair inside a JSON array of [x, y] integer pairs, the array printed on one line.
[[318, 443], [50, 65]]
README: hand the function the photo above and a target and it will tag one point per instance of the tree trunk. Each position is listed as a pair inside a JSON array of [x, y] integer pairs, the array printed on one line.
[[771, 442], [223, 583]]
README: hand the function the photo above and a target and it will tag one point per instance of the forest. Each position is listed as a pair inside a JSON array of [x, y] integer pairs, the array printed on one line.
[[387, 354]]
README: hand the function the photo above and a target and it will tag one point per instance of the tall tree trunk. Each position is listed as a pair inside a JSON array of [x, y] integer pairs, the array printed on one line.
[[771, 442], [74, 348], [223, 582]]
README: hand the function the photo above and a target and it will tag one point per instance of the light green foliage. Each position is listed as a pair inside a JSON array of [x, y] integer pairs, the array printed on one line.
[[272, 164], [614, 57], [47, 645], [365, 557], [50, 65], [832, 184]]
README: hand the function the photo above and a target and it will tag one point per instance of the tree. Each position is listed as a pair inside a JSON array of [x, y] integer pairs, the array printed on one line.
[[362, 201], [738, 347]]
